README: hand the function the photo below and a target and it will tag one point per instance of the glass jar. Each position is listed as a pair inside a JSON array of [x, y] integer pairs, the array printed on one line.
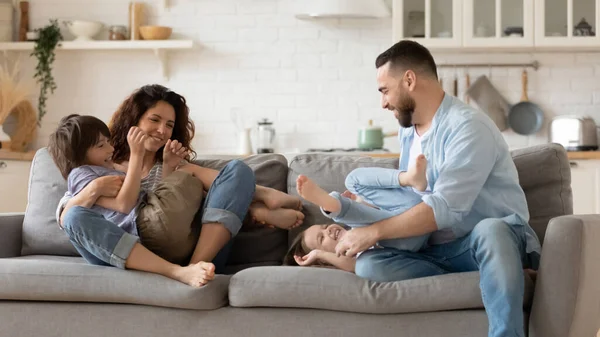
[[117, 33]]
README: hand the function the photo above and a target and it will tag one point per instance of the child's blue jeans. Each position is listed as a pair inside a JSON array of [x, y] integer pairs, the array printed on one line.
[[379, 187]]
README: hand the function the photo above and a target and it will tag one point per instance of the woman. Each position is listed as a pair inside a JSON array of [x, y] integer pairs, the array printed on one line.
[[164, 116]]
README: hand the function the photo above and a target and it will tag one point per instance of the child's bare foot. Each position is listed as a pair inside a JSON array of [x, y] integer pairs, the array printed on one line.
[[315, 194], [275, 199], [281, 218], [416, 176], [195, 275]]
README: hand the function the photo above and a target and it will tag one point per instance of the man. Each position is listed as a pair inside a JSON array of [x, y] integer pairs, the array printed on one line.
[[476, 210]]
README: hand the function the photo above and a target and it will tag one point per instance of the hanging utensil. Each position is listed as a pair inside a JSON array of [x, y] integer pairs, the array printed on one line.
[[455, 84], [525, 118], [490, 101], [467, 86]]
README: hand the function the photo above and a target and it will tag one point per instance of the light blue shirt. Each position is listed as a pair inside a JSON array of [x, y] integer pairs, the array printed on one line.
[[470, 171]]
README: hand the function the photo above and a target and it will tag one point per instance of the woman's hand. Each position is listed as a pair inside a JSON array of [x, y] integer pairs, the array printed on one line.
[[308, 259], [107, 186], [173, 153]]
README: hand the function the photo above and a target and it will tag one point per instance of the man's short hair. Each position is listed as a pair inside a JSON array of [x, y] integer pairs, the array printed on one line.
[[408, 55]]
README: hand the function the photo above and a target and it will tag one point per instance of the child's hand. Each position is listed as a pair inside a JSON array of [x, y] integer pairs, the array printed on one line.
[[108, 186], [308, 259], [136, 139]]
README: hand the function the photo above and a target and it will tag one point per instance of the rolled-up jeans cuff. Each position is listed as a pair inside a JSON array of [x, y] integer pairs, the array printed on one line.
[[228, 219], [123, 249], [344, 205]]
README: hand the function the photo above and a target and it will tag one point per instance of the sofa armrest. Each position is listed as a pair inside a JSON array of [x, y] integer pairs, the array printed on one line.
[[11, 229], [566, 295]]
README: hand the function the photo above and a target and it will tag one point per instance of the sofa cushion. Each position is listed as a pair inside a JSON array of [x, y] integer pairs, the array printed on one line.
[[332, 289], [545, 175], [70, 279], [41, 234]]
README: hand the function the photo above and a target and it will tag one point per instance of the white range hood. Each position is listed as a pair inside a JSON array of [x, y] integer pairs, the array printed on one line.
[[312, 9]]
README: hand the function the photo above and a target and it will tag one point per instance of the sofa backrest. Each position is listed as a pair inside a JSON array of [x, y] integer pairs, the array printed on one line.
[[41, 234], [544, 175]]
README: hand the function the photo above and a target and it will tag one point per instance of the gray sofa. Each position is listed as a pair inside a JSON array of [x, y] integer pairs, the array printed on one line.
[[47, 290]]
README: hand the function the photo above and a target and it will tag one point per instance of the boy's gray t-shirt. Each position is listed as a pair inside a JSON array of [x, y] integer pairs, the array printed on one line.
[[81, 176]]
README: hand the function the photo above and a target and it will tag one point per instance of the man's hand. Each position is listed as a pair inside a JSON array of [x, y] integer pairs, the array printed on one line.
[[308, 259], [107, 186], [136, 139], [356, 241], [173, 153]]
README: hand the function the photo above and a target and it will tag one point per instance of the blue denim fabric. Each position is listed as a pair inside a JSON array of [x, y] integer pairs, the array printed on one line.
[[355, 214], [98, 241], [227, 203], [494, 248]]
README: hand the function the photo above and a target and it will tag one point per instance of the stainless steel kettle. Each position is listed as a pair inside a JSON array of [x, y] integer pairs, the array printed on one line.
[[574, 133]]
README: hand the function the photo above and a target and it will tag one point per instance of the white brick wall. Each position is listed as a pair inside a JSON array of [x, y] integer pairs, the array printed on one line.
[[316, 80]]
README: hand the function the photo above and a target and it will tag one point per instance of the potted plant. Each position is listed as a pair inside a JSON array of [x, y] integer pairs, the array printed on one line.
[[48, 38]]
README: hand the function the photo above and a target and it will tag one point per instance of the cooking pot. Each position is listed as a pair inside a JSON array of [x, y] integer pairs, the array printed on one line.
[[371, 137]]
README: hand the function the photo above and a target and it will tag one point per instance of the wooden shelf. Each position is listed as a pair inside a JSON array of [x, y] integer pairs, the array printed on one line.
[[583, 155], [105, 45], [10, 155], [159, 47]]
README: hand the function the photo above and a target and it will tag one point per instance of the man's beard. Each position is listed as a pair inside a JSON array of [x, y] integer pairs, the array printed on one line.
[[405, 110]]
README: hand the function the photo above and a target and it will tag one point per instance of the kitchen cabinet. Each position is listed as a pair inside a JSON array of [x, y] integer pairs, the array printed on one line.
[[498, 23], [515, 25], [585, 183], [433, 23], [14, 181], [567, 23]]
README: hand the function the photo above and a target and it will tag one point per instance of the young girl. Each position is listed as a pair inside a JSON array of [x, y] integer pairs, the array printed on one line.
[[373, 194], [316, 246]]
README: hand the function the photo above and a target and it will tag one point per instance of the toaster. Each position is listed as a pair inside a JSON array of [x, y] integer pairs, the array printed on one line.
[[574, 133]]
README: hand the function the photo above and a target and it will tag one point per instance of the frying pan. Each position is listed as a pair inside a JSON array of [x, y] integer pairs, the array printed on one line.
[[525, 118]]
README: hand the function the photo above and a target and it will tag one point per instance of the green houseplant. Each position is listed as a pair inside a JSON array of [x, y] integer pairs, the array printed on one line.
[[49, 37]]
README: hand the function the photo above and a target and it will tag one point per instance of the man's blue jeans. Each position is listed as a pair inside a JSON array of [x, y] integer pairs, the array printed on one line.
[[494, 248], [102, 242]]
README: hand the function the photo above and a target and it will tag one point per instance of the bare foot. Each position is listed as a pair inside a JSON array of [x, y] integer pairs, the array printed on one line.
[[315, 194], [275, 199], [195, 275], [281, 218], [416, 176]]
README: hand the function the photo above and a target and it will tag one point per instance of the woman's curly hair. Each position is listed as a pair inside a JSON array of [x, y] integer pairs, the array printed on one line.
[[135, 106]]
